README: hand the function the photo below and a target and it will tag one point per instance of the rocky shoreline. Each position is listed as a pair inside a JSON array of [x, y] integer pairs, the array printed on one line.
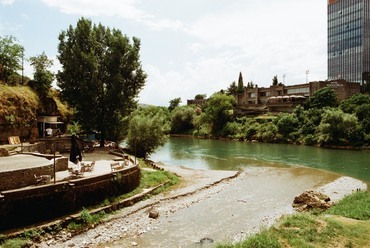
[[209, 205]]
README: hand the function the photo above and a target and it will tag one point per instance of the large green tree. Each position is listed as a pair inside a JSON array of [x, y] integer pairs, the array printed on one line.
[[11, 55], [101, 75], [325, 97], [43, 77], [338, 128], [174, 103], [219, 111]]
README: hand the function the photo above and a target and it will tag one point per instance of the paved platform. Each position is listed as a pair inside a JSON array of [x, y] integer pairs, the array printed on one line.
[[21, 161]]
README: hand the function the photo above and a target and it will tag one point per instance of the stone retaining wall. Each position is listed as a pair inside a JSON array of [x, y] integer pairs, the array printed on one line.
[[16, 179], [23, 207]]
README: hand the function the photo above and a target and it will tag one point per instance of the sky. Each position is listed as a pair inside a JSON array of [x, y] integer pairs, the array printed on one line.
[[189, 47]]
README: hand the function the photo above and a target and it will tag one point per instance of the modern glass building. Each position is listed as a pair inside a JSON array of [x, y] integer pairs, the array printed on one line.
[[349, 40]]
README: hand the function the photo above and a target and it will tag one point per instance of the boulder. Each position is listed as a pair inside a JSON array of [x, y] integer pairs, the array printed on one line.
[[153, 214], [310, 199]]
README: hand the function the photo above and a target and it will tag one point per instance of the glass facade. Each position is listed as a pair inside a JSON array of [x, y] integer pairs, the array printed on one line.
[[348, 40]]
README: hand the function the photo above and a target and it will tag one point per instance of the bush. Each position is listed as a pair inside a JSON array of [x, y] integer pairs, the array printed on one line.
[[310, 140]]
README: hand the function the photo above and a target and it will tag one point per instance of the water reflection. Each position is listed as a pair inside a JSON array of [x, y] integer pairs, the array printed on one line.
[[232, 155]]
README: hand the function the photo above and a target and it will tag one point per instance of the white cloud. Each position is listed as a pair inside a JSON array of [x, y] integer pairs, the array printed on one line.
[[125, 9], [284, 37], [208, 50], [199, 77], [7, 2]]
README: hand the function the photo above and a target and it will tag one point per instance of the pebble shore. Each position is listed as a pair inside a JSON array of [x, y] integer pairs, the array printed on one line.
[[215, 205]]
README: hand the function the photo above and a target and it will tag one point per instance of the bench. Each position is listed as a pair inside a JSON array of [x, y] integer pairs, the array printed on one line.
[[116, 166], [14, 140]]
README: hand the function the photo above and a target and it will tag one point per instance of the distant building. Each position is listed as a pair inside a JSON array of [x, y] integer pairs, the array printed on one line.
[[283, 98], [349, 40], [197, 102]]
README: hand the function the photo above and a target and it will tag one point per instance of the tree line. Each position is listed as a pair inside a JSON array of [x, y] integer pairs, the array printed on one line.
[[321, 121]]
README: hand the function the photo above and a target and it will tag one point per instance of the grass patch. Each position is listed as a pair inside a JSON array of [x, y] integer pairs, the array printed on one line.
[[16, 243], [318, 230], [150, 179], [86, 220], [260, 240], [355, 206]]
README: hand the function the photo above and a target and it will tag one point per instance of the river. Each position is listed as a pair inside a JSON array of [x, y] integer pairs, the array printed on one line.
[[233, 155]]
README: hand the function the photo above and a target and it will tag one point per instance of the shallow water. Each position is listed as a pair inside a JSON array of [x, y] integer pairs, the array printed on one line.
[[232, 155], [272, 176], [228, 212]]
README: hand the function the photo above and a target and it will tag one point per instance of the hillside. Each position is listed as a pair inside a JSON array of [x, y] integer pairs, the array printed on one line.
[[19, 107]]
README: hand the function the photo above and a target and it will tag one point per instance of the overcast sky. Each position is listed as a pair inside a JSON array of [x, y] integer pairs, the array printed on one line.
[[189, 47]]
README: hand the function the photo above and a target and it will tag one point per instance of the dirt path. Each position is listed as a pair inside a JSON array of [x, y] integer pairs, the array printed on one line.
[[209, 204]]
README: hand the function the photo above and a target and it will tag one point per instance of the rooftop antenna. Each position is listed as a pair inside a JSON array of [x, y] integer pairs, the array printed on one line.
[[307, 72]]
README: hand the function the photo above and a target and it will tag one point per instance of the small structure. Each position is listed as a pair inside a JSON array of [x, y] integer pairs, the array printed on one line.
[[48, 125]]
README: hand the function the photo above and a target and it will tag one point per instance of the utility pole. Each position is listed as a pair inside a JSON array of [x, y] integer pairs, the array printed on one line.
[[22, 65], [307, 72]]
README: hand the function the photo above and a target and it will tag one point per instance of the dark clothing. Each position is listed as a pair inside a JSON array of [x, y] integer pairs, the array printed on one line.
[[75, 154]]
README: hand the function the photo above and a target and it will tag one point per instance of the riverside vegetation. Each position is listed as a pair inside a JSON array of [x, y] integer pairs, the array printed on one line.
[[321, 121]]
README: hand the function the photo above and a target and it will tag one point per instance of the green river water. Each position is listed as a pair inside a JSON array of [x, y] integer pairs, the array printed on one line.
[[233, 155]]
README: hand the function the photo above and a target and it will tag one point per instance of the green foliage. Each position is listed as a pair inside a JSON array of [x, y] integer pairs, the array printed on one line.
[[200, 97], [240, 89], [304, 230], [16, 243], [74, 128], [355, 206], [218, 112], [359, 105], [325, 97], [351, 104], [287, 124], [233, 89], [101, 77], [263, 239], [275, 81], [154, 178], [182, 119], [11, 55], [267, 132], [338, 128], [43, 78], [148, 130], [174, 103]]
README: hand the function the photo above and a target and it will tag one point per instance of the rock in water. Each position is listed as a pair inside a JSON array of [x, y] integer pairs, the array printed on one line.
[[311, 199]]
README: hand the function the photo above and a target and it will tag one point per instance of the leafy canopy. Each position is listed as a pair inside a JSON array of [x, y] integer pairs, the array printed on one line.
[[148, 130], [11, 55], [325, 97], [43, 78], [101, 77], [219, 111]]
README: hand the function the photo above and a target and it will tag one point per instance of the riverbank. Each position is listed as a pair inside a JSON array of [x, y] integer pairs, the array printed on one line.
[[219, 205]]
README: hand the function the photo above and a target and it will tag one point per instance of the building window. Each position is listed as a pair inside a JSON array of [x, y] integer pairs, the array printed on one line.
[[298, 91]]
